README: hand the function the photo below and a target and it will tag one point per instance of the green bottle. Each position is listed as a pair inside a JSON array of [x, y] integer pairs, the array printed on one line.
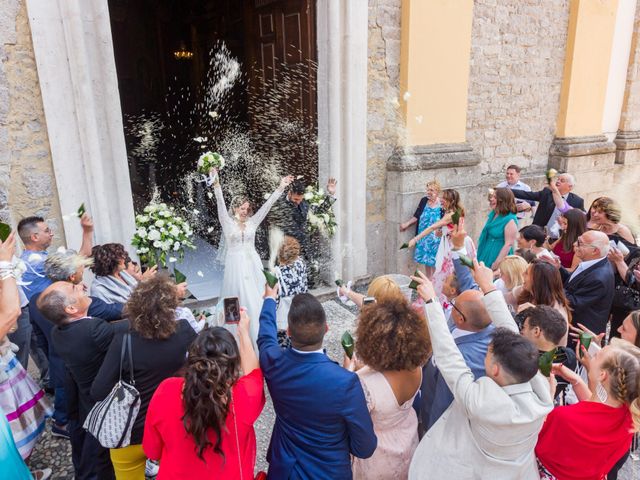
[[270, 277], [347, 343]]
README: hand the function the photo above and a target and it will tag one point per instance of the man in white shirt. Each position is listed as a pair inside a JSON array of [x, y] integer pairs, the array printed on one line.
[[491, 428], [513, 182]]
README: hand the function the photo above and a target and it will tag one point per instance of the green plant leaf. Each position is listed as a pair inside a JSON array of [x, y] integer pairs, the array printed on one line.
[[347, 343], [545, 361], [5, 230], [466, 261], [403, 246], [270, 277], [414, 285], [180, 277]]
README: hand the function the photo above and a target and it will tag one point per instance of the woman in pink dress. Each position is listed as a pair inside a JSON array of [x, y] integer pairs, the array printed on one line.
[[392, 342]]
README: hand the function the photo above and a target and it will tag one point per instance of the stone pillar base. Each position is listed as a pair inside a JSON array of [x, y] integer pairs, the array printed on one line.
[[589, 159], [454, 165], [628, 147]]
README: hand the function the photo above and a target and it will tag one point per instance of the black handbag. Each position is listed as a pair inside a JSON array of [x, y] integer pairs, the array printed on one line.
[[626, 298]]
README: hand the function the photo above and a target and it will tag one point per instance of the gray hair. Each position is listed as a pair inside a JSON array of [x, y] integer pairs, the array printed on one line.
[[61, 265], [571, 180], [52, 306]]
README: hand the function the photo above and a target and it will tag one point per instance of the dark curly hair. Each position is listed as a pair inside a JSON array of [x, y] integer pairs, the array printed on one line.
[[152, 308], [213, 367], [106, 258], [392, 336]]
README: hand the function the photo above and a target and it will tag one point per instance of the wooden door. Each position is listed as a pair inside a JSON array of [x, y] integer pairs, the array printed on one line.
[[281, 59]]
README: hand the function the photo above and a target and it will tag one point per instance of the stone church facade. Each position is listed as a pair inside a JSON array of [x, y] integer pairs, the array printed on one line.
[[408, 90]]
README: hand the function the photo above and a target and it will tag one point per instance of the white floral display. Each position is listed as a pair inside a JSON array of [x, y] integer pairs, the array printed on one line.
[[161, 235], [209, 160], [320, 217]]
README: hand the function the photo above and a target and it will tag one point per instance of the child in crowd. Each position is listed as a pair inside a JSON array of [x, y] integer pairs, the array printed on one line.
[[292, 276]]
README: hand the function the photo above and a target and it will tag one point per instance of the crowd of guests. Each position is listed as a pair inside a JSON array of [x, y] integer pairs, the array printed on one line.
[[484, 373]]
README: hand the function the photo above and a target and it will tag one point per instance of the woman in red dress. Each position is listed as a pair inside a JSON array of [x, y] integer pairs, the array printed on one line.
[[573, 223], [201, 426], [583, 441]]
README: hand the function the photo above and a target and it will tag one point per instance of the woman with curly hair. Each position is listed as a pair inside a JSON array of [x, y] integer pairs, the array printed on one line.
[[393, 344], [201, 425], [159, 346], [605, 214], [113, 283]]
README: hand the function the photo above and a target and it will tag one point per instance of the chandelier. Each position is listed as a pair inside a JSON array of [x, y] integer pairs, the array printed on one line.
[[182, 53]]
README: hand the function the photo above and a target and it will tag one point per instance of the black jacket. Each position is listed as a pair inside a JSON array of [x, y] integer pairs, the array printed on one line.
[[546, 204], [82, 346], [590, 295], [153, 361]]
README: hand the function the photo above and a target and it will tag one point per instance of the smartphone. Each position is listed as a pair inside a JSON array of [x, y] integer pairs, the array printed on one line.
[[231, 310], [368, 300]]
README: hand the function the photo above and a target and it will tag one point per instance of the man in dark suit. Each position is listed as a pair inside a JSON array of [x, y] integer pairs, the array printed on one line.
[[591, 286], [321, 412], [82, 342], [547, 213]]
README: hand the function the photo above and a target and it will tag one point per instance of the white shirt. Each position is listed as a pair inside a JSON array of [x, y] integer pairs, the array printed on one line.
[[517, 186], [584, 265], [310, 351]]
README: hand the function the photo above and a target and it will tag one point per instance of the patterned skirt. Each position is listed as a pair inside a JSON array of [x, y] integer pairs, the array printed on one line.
[[544, 473], [23, 403]]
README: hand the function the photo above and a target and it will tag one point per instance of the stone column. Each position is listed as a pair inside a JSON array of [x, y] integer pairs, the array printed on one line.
[[434, 80], [628, 138], [580, 146]]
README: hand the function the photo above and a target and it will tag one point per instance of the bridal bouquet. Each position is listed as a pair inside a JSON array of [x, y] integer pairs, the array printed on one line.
[[321, 217], [161, 235], [209, 160]]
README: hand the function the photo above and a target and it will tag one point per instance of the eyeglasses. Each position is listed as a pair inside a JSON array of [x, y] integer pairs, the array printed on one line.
[[459, 311]]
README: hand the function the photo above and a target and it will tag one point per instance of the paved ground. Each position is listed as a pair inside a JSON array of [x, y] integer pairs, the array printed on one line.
[[56, 454]]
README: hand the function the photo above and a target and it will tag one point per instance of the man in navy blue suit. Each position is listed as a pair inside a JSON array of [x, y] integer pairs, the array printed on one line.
[[321, 411]]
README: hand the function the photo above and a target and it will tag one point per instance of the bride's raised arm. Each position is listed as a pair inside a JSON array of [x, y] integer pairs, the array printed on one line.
[[259, 216], [223, 215]]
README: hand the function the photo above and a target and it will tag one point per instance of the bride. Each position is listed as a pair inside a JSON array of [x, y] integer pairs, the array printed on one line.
[[243, 277]]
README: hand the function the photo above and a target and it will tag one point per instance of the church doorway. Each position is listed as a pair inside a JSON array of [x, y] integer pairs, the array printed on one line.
[[182, 92]]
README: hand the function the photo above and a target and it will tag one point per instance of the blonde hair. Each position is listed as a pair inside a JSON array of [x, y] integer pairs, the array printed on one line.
[[623, 366], [384, 289], [513, 266], [289, 251], [435, 184]]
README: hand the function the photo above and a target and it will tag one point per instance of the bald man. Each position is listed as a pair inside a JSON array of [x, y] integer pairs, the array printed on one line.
[[591, 286], [472, 330]]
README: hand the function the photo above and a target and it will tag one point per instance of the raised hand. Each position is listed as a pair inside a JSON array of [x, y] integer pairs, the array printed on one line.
[[150, 272], [213, 172], [245, 321], [483, 276], [458, 235], [286, 181], [8, 248], [331, 186], [425, 287], [615, 255], [181, 290], [271, 292], [86, 222]]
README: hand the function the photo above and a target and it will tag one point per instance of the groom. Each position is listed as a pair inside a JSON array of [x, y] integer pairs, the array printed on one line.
[[292, 211]]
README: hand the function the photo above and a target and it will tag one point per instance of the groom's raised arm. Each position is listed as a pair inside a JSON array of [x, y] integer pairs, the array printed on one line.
[[268, 332]]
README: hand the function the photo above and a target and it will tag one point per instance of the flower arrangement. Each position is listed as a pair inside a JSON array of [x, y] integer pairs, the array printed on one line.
[[161, 235], [321, 217], [209, 160]]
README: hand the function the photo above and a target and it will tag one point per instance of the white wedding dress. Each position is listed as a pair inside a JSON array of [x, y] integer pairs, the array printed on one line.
[[243, 277]]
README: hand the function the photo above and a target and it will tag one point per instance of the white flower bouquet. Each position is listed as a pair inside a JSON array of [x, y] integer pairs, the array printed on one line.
[[161, 235], [209, 160], [321, 217]]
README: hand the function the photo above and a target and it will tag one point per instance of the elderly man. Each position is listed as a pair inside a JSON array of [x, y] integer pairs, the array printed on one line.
[[512, 181], [547, 212], [491, 427], [591, 286], [82, 342]]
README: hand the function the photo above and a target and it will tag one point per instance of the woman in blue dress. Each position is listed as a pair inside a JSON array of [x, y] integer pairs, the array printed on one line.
[[429, 212]]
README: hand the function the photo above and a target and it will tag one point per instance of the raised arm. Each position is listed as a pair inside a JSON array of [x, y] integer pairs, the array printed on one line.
[[260, 215], [9, 299], [248, 357], [493, 300], [560, 202], [223, 215], [524, 195], [86, 222]]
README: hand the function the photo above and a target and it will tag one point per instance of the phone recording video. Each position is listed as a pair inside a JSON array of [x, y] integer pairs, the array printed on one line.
[[231, 310]]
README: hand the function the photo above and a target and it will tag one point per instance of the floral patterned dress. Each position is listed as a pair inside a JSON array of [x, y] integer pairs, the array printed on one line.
[[427, 248]]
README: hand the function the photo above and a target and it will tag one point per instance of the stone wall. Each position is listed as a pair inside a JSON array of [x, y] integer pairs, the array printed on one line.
[[517, 59], [27, 182], [383, 120]]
